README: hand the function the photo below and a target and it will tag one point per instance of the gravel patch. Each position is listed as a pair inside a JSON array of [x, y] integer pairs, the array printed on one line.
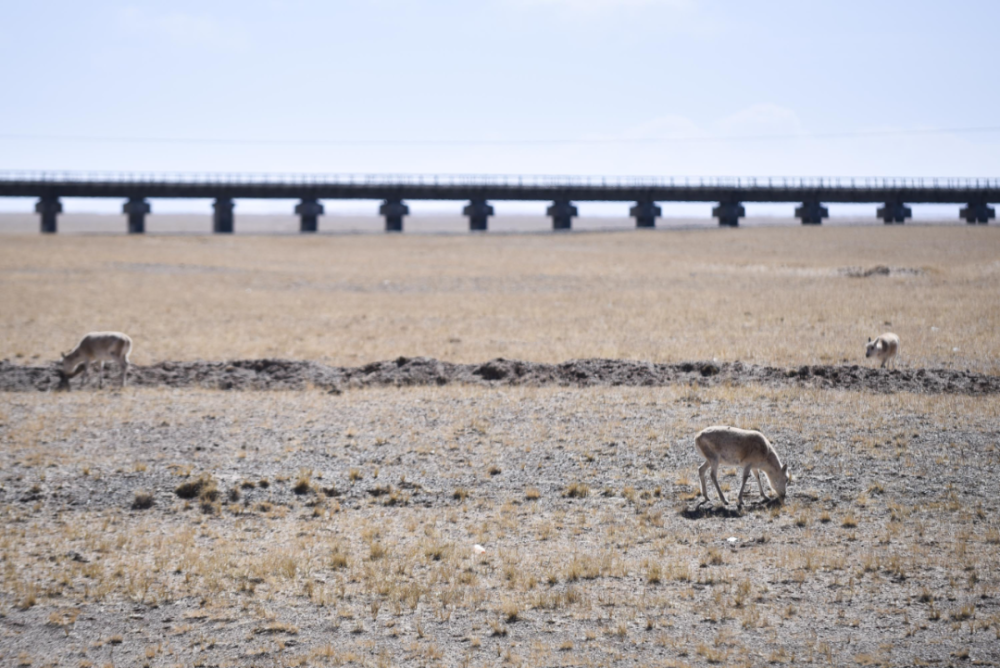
[[203, 527]]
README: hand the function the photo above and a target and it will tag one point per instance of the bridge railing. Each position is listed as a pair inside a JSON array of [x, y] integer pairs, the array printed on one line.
[[501, 180]]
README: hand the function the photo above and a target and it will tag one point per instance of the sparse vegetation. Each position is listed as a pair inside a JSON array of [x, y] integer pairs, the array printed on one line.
[[303, 485], [784, 281], [143, 500], [203, 488], [373, 562]]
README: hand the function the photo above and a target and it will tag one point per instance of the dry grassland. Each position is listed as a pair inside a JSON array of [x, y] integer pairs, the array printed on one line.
[[201, 528], [159, 527], [769, 296]]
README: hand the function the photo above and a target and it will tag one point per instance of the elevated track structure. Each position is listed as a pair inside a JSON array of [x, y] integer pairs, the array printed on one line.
[[892, 195]]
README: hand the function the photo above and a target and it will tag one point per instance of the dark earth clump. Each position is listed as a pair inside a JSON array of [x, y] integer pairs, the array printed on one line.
[[279, 374]]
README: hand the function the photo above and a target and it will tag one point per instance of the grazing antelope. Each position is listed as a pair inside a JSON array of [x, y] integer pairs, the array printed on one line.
[[739, 447], [95, 347], [885, 348]]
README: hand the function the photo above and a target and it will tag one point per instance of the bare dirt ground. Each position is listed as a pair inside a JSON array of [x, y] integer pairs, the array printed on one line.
[[304, 504], [276, 374]]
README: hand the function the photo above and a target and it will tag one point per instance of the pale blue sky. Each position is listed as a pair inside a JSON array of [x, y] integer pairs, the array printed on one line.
[[646, 87]]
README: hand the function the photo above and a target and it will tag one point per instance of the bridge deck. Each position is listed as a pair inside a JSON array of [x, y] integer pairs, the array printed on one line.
[[461, 187], [393, 190]]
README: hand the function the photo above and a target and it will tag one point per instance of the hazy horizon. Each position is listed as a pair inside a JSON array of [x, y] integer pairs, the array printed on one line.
[[421, 223]]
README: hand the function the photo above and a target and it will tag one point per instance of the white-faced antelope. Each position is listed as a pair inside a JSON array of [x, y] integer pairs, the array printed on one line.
[[749, 450], [884, 348], [95, 347]]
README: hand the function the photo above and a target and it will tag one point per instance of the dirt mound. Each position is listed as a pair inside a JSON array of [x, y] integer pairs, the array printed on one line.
[[277, 374], [879, 270]]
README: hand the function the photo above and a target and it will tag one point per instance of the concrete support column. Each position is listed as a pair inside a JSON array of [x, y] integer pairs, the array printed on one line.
[[977, 212], [222, 219], [393, 209], [478, 212], [49, 207], [729, 213], [812, 213], [645, 214], [562, 212], [309, 210], [136, 208], [894, 212]]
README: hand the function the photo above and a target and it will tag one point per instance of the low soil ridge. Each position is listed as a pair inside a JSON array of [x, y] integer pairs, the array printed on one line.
[[280, 374]]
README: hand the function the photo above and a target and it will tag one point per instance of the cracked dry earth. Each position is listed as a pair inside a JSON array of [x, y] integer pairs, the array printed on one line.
[[187, 526]]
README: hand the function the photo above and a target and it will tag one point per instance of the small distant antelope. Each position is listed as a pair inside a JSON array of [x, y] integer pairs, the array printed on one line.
[[95, 347], [885, 348], [749, 450]]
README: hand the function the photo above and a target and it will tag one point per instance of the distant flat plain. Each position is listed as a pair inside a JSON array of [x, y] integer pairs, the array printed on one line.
[[780, 295], [424, 223]]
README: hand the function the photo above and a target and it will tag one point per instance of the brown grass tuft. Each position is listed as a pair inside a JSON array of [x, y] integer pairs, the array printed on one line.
[[143, 500], [203, 487]]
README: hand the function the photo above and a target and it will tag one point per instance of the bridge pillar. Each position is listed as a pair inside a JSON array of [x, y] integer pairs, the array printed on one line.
[[49, 207], [136, 208], [977, 212], [393, 209], [894, 212], [729, 213], [645, 213], [478, 212], [309, 210], [222, 219], [812, 213], [562, 212]]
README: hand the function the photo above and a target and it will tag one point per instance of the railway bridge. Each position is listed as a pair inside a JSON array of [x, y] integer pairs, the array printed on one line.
[[891, 195]]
